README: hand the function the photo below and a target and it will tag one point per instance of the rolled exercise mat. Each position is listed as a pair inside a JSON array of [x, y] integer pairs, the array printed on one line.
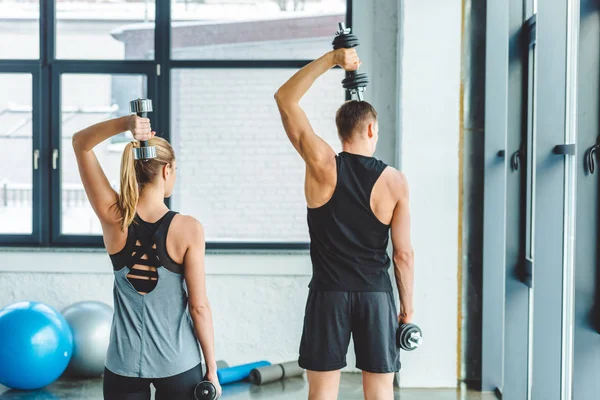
[[238, 373], [220, 365], [282, 389], [272, 373]]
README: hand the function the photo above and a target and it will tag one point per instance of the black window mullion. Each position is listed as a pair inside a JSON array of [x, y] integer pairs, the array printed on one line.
[[162, 44], [162, 94], [39, 184], [19, 65], [104, 66], [239, 64], [54, 146], [47, 131]]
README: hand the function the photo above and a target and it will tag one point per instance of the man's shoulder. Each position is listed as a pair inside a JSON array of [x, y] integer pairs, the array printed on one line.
[[396, 181]]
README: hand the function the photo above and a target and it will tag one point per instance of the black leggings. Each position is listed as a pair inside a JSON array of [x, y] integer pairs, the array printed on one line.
[[180, 386]]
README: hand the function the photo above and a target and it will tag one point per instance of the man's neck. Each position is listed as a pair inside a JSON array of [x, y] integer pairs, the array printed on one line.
[[359, 148]]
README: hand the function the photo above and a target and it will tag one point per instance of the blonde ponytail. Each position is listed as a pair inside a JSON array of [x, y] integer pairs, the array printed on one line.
[[129, 194], [135, 176]]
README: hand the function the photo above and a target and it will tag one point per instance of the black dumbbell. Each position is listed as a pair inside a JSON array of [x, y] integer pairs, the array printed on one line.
[[354, 82], [205, 390], [409, 337], [142, 107]]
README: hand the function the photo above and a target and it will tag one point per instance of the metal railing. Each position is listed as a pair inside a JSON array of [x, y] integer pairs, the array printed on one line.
[[21, 195], [15, 194]]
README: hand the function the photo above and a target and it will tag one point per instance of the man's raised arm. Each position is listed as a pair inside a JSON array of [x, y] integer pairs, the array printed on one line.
[[311, 147]]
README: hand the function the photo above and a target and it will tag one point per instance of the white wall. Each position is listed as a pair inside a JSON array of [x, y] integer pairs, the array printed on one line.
[[258, 299], [430, 54]]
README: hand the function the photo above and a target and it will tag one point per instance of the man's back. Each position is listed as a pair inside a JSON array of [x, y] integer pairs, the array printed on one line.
[[349, 233], [354, 202]]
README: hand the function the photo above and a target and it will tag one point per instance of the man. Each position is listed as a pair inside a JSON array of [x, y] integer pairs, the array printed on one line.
[[353, 201]]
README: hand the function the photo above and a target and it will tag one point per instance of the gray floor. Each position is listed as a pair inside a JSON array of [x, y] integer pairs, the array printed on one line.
[[292, 389]]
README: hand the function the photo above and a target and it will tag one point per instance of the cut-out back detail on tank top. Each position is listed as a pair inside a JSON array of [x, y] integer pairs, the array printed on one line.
[[145, 252], [142, 273]]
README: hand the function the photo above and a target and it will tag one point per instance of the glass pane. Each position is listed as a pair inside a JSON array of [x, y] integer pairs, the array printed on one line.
[[237, 171], [19, 29], [16, 147], [112, 94], [264, 29], [105, 29]]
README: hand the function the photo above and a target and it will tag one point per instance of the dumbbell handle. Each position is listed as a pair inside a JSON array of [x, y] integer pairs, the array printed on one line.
[[415, 339], [342, 28], [143, 114], [358, 91], [141, 107]]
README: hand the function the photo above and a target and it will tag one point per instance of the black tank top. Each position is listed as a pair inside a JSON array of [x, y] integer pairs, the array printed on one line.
[[348, 244]]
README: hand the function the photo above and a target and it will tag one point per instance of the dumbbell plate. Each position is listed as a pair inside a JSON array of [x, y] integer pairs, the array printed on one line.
[[404, 334], [140, 105], [205, 390], [345, 41], [355, 81], [360, 81]]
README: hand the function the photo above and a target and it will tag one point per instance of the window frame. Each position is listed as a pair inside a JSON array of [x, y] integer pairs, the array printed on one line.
[[46, 72]]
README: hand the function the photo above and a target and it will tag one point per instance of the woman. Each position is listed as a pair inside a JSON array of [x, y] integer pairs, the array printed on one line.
[[158, 262]]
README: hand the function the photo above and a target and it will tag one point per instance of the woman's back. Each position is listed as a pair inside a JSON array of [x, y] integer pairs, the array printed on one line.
[[152, 334], [161, 307]]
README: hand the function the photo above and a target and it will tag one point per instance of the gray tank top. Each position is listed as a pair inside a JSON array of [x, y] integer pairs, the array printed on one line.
[[152, 334]]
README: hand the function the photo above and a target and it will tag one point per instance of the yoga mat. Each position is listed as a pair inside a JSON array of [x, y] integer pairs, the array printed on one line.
[[282, 389], [220, 365], [273, 373], [238, 373]]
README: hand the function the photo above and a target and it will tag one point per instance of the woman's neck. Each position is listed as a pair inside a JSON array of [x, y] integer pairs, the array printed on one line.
[[151, 205]]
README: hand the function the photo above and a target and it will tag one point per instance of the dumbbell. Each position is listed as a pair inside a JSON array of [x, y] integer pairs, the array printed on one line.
[[142, 107], [354, 82], [409, 337], [205, 390]]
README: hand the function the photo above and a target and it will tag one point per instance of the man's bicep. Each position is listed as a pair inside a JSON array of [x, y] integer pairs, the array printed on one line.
[[311, 147]]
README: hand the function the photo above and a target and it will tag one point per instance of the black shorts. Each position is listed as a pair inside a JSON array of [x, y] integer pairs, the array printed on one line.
[[180, 386], [331, 317]]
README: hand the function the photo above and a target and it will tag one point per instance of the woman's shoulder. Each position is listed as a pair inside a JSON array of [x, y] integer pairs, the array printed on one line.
[[187, 226], [185, 232]]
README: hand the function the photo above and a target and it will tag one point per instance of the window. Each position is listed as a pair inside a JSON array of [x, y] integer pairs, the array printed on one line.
[[272, 29], [211, 68], [103, 30], [16, 131], [239, 174], [19, 29], [79, 110]]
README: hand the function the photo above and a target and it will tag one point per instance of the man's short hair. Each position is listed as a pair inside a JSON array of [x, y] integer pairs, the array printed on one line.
[[353, 116]]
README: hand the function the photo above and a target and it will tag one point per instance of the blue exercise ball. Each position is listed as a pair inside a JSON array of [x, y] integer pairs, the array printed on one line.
[[35, 345]]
